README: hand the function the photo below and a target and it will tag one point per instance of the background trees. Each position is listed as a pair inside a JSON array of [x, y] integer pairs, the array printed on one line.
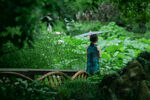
[[20, 20]]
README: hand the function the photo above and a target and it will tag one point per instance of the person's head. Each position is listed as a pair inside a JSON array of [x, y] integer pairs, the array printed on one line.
[[93, 38]]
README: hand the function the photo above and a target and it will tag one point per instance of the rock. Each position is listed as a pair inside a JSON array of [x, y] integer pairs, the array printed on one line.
[[126, 84]]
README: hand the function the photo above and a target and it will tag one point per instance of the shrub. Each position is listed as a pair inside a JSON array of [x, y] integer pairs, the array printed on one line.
[[112, 30], [78, 90], [26, 91], [144, 59]]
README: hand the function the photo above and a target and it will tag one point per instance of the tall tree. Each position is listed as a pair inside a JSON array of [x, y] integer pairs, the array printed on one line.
[[21, 15], [135, 10]]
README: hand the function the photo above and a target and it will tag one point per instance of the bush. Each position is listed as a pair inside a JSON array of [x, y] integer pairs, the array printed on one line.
[[112, 30], [144, 59], [26, 91], [51, 50], [78, 90]]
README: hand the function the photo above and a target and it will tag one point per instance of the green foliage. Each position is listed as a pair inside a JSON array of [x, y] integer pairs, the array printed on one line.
[[112, 30], [26, 91], [78, 90], [83, 27], [20, 20], [136, 8], [81, 5], [60, 25], [144, 59], [50, 51], [147, 35], [71, 90], [134, 15], [58, 51]]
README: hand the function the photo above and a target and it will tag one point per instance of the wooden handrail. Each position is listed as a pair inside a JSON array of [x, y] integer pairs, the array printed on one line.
[[10, 77], [80, 75], [54, 79], [15, 74], [53, 73], [33, 72]]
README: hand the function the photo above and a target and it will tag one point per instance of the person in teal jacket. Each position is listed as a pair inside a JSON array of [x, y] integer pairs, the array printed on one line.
[[93, 55]]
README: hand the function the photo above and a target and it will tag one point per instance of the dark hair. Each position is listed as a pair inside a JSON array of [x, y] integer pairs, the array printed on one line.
[[93, 38]]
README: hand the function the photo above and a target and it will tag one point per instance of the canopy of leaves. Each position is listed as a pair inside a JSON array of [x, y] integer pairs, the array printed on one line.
[[19, 20]]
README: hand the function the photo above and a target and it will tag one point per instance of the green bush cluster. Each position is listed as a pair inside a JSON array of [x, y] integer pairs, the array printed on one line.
[[26, 91], [144, 59], [50, 50], [78, 90], [112, 30], [70, 90]]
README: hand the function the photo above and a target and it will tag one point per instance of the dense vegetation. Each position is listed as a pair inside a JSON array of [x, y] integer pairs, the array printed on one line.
[[60, 51], [19, 16], [44, 34]]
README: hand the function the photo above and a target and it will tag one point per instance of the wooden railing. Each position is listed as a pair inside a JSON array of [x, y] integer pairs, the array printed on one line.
[[47, 76], [80, 75], [54, 79], [33, 73]]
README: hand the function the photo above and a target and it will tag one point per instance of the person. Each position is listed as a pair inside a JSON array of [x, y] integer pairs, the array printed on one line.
[[93, 55]]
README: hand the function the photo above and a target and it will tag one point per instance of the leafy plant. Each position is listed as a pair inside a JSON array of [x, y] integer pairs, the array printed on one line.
[[25, 90], [78, 90]]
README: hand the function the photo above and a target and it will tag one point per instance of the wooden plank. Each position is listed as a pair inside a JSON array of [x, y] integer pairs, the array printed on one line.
[[32, 72]]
